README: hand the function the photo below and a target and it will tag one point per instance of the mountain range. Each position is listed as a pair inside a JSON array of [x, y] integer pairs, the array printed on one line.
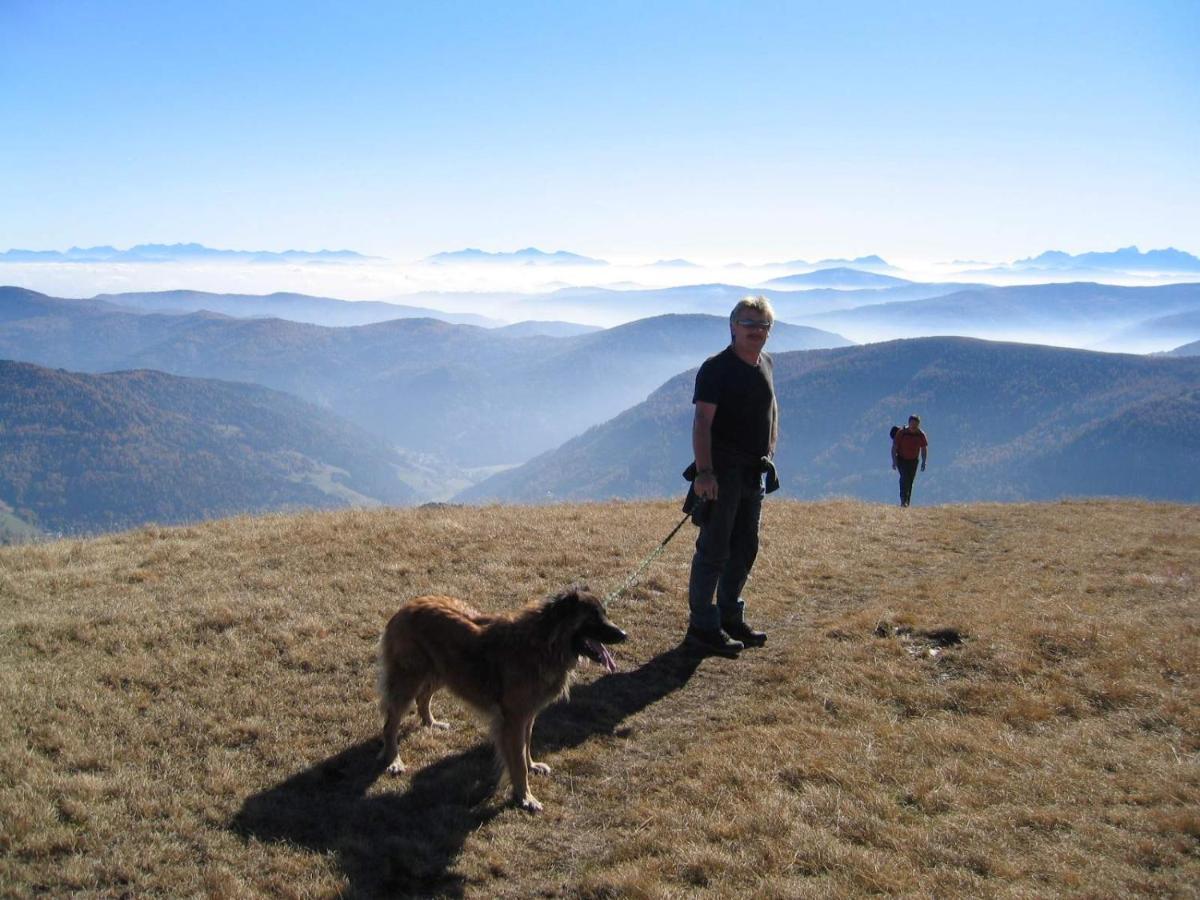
[[1100, 264], [1005, 422], [872, 263], [177, 253], [530, 256], [473, 396], [1129, 259], [1102, 316], [1107, 317], [600, 303], [95, 452], [437, 406], [293, 307]]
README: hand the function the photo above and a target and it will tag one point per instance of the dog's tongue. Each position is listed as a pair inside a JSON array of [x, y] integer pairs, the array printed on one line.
[[606, 658]]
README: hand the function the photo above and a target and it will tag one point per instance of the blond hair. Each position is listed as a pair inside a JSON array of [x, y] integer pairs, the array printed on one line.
[[759, 304]]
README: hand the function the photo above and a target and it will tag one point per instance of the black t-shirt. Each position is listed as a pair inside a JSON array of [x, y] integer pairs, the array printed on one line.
[[744, 396]]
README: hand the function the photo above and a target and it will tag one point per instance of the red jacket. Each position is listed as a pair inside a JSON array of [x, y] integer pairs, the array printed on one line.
[[910, 443]]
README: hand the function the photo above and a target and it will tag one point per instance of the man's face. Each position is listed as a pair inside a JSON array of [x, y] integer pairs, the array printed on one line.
[[912, 424], [750, 329]]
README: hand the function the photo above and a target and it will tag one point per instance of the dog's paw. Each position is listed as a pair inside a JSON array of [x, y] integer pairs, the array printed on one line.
[[529, 803], [539, 768], [396, 767]]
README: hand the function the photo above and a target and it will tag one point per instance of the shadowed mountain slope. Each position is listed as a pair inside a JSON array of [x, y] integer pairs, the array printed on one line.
[[92, 452], [1006, 422]]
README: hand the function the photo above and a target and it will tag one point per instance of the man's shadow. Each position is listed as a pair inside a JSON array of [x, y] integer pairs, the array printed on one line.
[[404, 843]]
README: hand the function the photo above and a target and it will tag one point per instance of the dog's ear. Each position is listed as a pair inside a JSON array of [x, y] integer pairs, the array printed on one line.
[[563, 606], [576, 588], [570, 598], [562, 615]]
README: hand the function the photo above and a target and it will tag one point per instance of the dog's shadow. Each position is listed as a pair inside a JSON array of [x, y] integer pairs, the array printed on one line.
[[405, 843]]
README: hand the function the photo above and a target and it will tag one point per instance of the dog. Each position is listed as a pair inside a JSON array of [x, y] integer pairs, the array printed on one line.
[[509, 667]]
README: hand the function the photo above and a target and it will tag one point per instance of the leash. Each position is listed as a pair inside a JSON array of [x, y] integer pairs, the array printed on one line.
[[632, 579]]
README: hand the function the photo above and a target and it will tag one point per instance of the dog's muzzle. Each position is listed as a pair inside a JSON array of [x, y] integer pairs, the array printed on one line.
[[593, 645]]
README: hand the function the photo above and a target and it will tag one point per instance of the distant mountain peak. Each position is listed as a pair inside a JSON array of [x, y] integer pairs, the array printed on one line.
[[529, 256], [674, 264], [873, 262], [842, 277], [859, 261], [1122, 259]]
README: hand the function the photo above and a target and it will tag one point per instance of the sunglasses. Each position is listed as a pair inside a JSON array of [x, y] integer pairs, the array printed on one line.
[[753, 323]]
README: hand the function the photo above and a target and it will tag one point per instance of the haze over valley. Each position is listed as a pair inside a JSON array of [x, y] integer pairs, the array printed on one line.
[[529, 397]]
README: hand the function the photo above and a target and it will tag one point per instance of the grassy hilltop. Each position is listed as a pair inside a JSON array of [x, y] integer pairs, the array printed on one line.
[[191, 711]]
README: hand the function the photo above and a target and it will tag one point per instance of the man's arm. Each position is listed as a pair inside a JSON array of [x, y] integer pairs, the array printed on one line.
[[924, 456], [705, 483], [774, 426]]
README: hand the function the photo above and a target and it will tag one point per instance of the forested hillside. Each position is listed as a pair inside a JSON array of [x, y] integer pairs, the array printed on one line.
[[1005, 421], [96, 452]]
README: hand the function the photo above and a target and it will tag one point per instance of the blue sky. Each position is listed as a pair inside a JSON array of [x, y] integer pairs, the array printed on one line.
[[708, 130]]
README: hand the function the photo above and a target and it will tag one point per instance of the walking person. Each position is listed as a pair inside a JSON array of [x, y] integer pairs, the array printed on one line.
[[734, 431], [909, 446]]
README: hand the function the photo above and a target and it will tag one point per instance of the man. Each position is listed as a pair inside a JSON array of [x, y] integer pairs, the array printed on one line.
[[908, 444], [734, 430]]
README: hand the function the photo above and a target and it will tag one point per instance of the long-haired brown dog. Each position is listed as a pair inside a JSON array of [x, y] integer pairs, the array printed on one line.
[[509, 667]]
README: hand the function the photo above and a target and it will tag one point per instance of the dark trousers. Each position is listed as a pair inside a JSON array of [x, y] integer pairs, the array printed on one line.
[[726, 548], [908, 474]]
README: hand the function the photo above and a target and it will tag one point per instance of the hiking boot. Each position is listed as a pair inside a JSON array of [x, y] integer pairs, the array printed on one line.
[[740, 631], [714, 641]]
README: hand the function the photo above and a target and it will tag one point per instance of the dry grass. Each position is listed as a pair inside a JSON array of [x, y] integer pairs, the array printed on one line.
[[191, 711]]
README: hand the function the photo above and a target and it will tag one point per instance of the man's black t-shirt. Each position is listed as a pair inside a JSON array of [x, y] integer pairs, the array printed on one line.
[[744, 396]]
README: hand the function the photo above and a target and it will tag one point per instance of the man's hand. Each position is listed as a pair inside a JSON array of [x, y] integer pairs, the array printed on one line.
[[922, 467], [705, 483], [706, 486]]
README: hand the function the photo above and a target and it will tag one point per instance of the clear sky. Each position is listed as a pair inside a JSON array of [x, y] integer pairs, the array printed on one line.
[[752, 130]]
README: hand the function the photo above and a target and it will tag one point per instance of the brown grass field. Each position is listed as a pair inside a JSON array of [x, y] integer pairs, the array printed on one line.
[[191, 711]]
